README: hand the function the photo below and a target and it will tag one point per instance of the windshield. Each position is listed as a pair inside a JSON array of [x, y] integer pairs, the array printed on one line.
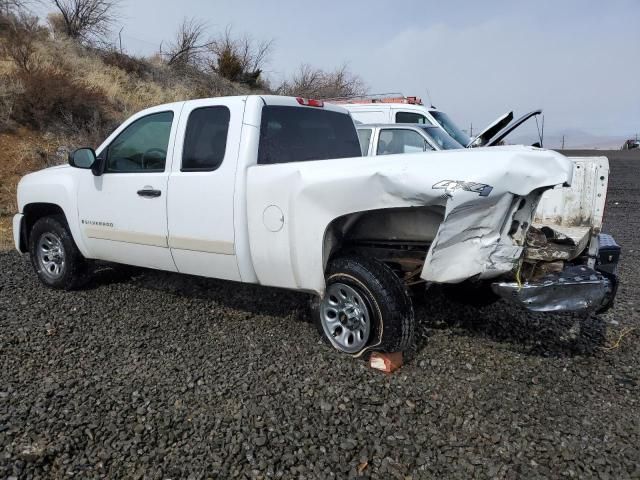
[[450, 127], [442, 139]]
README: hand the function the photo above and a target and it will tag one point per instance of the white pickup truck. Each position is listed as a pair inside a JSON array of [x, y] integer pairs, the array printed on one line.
[[274, 191]]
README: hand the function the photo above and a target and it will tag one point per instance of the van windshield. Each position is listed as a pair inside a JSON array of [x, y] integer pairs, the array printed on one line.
[[450, 127], [296, 134], [442, 139]]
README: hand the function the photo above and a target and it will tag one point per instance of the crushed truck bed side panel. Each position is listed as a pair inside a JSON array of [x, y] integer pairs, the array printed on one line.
[[582, 205], [290, 206]]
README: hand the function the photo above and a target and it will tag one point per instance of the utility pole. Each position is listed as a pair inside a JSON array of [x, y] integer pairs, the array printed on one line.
[[120, 38], [562, 142]]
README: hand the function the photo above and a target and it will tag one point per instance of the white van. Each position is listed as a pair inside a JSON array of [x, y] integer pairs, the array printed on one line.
[[380, 110], [402, 110]]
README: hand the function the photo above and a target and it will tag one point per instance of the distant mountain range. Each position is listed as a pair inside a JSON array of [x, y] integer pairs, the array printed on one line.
[[576, 139]]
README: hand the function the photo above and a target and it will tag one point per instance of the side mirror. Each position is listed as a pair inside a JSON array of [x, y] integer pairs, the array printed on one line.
[[82, 158], [98, 167]]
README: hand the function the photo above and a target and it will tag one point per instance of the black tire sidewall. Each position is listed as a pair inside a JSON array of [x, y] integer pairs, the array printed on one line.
[[74, 270], [389, 305]]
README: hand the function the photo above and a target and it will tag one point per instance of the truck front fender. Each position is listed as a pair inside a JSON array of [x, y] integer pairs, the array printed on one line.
[[51, 191]]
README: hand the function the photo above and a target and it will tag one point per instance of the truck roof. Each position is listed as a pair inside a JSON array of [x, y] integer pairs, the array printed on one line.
[[267, 99]]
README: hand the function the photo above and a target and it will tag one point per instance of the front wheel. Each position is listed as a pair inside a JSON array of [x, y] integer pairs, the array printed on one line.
[[54, 255], [365, 307]]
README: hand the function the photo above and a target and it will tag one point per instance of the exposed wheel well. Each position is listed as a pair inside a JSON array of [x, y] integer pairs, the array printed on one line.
[[399, 237], [32, 213]]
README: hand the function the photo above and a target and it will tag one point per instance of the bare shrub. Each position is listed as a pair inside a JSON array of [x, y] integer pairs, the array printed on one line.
[[63, 104], [13, 7], [239, 59], [19, 40], [189, 44], [132, 65], [317, 83], [9, 91], [57, 25], [86, 20]]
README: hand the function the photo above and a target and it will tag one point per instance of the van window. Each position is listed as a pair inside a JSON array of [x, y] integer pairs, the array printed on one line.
[[205, 139], [411, 117], [364, 135], [368, 117], [396, 140], [297, 134]]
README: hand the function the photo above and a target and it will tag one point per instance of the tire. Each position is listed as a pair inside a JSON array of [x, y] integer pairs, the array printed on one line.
[[364, 302], [55, 256]]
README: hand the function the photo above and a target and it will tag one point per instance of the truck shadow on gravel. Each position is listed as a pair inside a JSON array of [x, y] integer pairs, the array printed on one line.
[[545, 335], [254, 299]]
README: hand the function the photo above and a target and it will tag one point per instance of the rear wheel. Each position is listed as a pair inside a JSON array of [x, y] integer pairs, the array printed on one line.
[[54, 255], [365, 307]]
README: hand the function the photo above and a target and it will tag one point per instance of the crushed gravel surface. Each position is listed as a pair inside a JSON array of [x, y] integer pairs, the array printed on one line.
[[153, 375]]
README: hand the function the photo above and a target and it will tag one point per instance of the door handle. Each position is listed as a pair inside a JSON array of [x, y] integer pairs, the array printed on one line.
[[149, 192]]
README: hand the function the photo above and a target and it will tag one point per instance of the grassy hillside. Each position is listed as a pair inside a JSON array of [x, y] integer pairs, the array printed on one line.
[[56, 95]]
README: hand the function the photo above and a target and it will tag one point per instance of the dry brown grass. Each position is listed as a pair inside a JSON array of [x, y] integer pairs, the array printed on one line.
[[6, 233], [72, 96], [23, 151]]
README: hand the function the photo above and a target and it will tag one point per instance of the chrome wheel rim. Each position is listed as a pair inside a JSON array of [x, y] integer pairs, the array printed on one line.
[[345, 318], [51, 255]]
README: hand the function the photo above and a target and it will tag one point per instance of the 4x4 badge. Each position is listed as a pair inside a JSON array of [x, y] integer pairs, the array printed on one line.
[[450, 186]]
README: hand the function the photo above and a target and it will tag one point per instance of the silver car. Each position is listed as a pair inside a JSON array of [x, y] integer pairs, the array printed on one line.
[[387, 139]]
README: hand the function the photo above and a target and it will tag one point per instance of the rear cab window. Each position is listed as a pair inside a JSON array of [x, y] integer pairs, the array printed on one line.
[[298, 134], [205, 139]]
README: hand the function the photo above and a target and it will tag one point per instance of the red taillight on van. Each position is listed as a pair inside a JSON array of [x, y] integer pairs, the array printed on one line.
[[310, 102]]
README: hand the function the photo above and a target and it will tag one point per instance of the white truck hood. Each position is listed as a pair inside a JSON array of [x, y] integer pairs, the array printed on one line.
[[475, 187]]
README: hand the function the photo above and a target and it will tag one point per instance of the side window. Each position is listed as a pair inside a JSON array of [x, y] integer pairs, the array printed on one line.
[[393, 140], [364, 136], [410, 117], [205, 139], [142, 146]]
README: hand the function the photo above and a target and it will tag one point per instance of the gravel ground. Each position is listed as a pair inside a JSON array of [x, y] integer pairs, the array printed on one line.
[[155, 375]]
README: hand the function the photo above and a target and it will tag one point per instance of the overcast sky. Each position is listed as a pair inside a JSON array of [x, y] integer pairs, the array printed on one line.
[[579, 60]]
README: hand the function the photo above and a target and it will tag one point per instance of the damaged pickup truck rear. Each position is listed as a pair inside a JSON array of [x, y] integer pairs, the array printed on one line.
[[273, 190]]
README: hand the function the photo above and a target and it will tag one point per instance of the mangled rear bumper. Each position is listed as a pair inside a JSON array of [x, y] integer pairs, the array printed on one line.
[[576, 288]]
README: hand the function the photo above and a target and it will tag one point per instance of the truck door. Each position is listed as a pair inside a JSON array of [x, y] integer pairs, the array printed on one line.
[[123, 215], [201, 188]]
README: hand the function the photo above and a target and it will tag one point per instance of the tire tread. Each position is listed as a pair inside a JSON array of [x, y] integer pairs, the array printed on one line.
[[389, 293]]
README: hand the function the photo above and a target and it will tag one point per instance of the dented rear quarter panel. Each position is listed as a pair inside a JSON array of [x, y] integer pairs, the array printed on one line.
[[469, 242]]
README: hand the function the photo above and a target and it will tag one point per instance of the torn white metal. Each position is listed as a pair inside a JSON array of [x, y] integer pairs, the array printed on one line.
[[473, 237]]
